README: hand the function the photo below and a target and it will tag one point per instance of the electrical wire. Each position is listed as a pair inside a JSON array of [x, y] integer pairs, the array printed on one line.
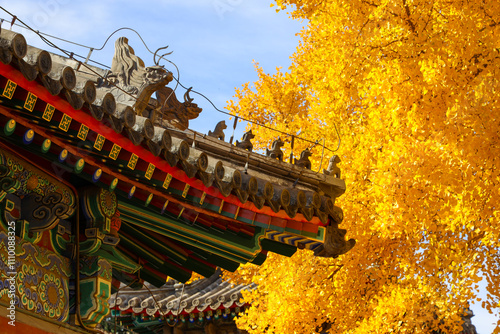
[[58, 38], [260, 124], [178, 83]]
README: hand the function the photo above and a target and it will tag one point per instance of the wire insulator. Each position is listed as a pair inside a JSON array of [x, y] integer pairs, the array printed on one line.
[[88, 56]]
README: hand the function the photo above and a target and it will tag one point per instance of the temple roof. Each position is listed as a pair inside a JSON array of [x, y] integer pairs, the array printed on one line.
[[204, 295], [187, 201]]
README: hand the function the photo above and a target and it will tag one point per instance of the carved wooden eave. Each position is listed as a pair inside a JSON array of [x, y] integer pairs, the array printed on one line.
[[220, 204], [191, 306]]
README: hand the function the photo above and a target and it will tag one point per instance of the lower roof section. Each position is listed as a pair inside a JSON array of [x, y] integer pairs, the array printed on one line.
[[205, 302]]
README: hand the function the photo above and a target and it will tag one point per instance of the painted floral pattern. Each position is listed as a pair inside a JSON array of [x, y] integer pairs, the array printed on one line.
[[42, 280]]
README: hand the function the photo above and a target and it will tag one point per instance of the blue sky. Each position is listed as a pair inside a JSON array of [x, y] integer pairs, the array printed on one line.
[[214, 44]]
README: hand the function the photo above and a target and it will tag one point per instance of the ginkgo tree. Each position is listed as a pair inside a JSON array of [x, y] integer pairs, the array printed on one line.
[[411, 89]]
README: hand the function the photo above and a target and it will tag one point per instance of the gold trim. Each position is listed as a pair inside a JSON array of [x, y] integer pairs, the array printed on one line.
[[150, 171], [48, 112], [166, 183], [65, 122], [83, 132], [99, 142], [202, 199], [132, 162], [180, 213], [115, 151], [30, 102], [10, 88], [186, 189]]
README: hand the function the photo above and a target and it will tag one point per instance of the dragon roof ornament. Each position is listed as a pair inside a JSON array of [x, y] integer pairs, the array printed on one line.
[[132, 83]]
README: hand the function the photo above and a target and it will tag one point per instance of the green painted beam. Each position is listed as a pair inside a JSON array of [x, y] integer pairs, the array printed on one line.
[[227, 245], [155, 260], [138, 249], [278, 247], [147, 238]]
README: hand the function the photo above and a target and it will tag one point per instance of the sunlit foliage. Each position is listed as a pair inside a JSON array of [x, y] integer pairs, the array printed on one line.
[[413, 88]]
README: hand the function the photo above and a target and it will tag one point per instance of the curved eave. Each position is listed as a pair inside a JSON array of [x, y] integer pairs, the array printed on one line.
[[191, 188]]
